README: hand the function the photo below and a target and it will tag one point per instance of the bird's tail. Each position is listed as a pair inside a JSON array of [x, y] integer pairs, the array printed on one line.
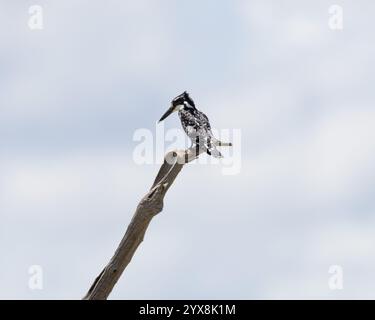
[[214, 152], [211, 149], [209, 145]]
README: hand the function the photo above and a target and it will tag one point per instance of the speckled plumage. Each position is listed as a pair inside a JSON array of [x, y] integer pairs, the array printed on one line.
[[196, 124]]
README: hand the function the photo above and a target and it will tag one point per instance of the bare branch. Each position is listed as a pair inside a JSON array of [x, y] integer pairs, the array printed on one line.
[[150, 205]]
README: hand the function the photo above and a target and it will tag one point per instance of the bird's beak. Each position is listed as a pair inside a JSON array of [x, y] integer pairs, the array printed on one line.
[[169, 111]]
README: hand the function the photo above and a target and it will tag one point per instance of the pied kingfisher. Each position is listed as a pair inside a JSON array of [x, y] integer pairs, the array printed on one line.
[[195, 123]]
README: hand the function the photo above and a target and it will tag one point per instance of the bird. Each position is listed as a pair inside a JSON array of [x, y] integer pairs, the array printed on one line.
[[195, 124]]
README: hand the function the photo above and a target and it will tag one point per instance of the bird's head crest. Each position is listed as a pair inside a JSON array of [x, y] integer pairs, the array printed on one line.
[[182, 98]]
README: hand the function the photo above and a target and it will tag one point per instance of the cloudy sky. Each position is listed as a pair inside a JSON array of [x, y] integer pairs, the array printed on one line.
[[301, 94]]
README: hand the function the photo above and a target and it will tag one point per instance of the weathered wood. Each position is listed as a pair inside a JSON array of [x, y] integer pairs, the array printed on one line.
[[150, 205]]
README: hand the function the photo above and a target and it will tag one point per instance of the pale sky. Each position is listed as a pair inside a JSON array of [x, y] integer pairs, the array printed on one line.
[[302, 95]]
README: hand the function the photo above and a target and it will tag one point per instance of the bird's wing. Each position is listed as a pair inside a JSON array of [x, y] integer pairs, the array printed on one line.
[[205, 123]]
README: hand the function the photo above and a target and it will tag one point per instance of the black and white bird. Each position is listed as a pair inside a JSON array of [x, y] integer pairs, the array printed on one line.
[[195, 124]]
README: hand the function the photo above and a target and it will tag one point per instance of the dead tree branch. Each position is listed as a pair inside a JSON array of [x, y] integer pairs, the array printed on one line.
[[150, 205]]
